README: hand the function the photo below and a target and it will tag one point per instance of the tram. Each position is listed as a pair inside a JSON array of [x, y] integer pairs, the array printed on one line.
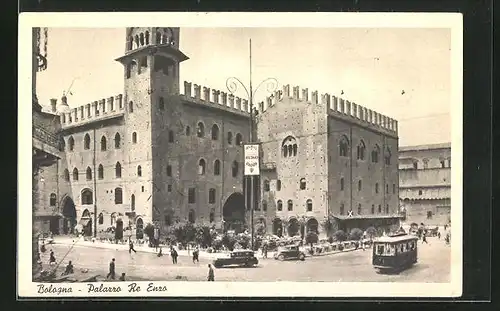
[[395, 253]]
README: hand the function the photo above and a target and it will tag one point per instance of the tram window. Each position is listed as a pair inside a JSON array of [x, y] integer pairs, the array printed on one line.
[[380, 249], [391, 250]]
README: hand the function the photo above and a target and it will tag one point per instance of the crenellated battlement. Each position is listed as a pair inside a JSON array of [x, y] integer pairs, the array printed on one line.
[[335, 106], [203, 95], [100, 109]]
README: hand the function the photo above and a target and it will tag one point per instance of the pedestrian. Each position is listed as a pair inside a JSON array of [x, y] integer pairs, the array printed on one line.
[[52, 260], [112, 272], [211, 276], [363, 245], [69, 269], [424, 238], [122, 277], [43, 249], [264, 250], [196, 253], [439, 235], [174, 255], [131, 246], [160, 253]]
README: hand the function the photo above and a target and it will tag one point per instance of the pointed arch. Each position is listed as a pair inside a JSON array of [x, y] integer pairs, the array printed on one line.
[[217, 168], [71, 143], [139, 171], [118, 170], [215, 132], [238, 139], [200, 131], [100, 172], [343, 146], [361, 150], [66, 175], [103, 143], [375, 153], [117, 141], [87, 196], [86, 142], [75, 174], [88, 173], [235, 168], [201, 167]]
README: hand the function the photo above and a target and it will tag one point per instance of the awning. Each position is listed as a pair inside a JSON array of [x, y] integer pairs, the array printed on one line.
[[345, 217], [84, 221]]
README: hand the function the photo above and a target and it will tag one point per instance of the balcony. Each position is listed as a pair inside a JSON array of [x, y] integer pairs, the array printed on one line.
[[268, 166], [45, 136]]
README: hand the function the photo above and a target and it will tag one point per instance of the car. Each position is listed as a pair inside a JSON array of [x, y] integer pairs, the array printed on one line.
[[240, 258], [289, 252]]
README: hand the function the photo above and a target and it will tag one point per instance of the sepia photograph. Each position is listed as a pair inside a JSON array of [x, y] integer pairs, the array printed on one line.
[[315, 159]]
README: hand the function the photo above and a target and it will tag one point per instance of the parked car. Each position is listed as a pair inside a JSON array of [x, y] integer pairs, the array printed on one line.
[[240, 258], [289, 252]]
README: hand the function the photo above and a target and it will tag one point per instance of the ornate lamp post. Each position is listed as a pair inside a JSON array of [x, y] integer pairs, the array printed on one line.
[[232, 84]]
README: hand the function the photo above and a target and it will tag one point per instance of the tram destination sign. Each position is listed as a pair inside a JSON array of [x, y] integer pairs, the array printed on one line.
[[251, 154]]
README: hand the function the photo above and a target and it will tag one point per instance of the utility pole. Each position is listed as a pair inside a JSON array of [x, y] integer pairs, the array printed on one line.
[[232, 85]]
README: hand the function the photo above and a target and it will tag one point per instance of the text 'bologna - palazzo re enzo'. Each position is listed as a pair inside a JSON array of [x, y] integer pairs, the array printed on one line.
[[161, 154]]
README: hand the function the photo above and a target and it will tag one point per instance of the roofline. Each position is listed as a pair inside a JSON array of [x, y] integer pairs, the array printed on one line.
[[446, 145]]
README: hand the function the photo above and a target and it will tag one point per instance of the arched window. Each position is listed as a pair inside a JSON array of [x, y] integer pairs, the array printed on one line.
[[239, 139], [217, 168], [75, 174], [134, 137], [71, 143], [415, 164], [343, 146], [88, 173], [278, 185], [387, 156], [376, 187], [100, 172], [279, 205], [200, 130], [387, 208], [309, 205], [117, 141], [215, 132], [361, 150], [130, 41], [393, 188], [130, 106], [101, 219], [302, 184], [87, 197], [139, 171], [113, 219], [169, 170], [266, 185], [229, 138], [379, 209], [86, 142], [66, 175], [141, 39], [132, 202], [342, 184], [386, 188], [360, 185], [170, 136], [53, 199], [191, 216], [211, 196], [375, 153], [201, 167], [373, 209], [290, 205], [342, 209], [359, 209], [118, 170], [289, 147], [103, 143], [137, 40], [426, 163], [212, 215], [158, 38], [118, 196], [188, 130], [264, 206], [62, 144], [147, 37], [234, 168]]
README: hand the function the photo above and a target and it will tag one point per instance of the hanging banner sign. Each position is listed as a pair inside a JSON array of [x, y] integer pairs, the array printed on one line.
[[251, 154]]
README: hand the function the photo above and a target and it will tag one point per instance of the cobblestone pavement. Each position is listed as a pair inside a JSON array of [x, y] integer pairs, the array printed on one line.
[[433, 266]]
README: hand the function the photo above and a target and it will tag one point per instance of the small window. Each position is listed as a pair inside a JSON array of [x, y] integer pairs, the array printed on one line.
[[101, 218], [264, 206], [118, 196], [279, 205], [75, 174], [429, 214], [201, 167], [266, 185], [215, 132], [360, 185], [343, 146], [302, 184], [290, 205], [191, 216], [169, 188], [118, 170], [132, 202], [170, 136], [426, 163], [342, 209], [359, 209], [388, 157], [419, 192], [278, 185], [142, 188], [117, 141], [309, 205], [131, 107], [239, 139], [212, 216], [386, 188], [139, 171], [375, 153], [211, 196], [361, 151], [200, 131], [134, 137], [393, 188], [379, 208], [229, 138], [387, 209], [234, 169], [103, 143], [66, 175], [342, 184], [191, 195], [71, 143], [169, 170], [376, 187], [443, 163], [415, 165], [86, 142], [188, 130], [53, 199], [88, 173], [217, 168], [87, 197], [373, 209], [161, 103]]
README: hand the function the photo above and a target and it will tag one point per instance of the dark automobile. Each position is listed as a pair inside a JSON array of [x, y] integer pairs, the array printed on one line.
[[289, 252], [239, 258]]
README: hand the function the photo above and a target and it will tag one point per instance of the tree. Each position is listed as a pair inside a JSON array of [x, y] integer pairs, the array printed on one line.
[[260, 229], [371, 232], [311, 238], [228, 240], [203, 235], [149, 230], [340, 236], [328, 224], [356, 234]]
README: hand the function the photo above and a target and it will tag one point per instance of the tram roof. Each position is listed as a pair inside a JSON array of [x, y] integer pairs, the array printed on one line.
[[395, 239]]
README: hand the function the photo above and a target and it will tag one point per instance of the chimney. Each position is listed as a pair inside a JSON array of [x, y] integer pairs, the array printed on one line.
[[53, 104], [64, 100]]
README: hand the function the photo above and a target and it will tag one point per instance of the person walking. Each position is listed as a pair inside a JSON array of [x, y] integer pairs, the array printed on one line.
[[131, 246], [160, 253], [52, 259], [211, 276], [196, 253], [112, 272], [264, 251], [424, 238], [174, 255]]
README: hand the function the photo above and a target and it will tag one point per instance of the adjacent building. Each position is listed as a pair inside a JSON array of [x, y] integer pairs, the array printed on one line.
[[158, 154], [425, 183]]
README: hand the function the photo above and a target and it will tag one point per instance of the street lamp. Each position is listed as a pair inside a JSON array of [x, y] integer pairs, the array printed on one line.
[[232, 85]]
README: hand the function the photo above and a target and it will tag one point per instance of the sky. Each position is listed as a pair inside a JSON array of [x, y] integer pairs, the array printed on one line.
[[371, 66]]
